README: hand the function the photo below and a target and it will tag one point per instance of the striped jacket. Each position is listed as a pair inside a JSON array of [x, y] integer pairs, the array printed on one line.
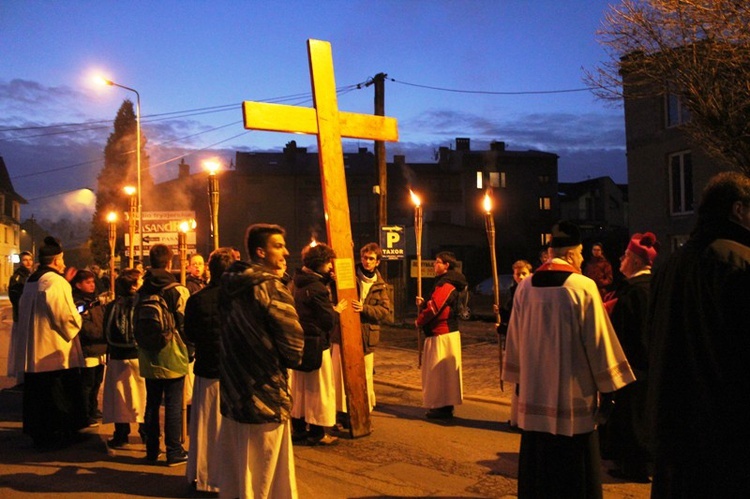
[[260, 338]]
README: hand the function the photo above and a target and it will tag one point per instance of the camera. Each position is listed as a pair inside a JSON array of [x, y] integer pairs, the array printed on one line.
[[81, 308]]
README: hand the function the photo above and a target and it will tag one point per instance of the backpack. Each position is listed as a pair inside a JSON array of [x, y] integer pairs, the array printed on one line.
[[463, 311], [119, 327], [152, 321]]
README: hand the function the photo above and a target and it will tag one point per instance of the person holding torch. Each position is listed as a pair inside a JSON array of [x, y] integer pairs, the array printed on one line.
[[442, 383]]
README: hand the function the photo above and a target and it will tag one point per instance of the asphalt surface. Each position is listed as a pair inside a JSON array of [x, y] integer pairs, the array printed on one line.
[[406, 455]]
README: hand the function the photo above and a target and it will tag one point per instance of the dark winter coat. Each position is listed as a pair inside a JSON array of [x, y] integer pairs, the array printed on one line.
[[375, 309], [203, 329], [312, 299], [15, 288], [93, 342], [438, 316], [260, 338], [699, 355], [624, 437]]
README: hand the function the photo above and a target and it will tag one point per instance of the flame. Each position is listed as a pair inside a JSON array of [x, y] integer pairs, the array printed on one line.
[[111, 217], [415, 199], [313, 242], [129, 190], [487, 203], [184, 226], [212, 166]]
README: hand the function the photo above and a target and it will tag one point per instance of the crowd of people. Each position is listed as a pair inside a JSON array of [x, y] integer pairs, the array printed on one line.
[[231, 348], [645, 374]]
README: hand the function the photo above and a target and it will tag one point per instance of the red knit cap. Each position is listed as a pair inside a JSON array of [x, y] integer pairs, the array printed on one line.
[[645, 246]]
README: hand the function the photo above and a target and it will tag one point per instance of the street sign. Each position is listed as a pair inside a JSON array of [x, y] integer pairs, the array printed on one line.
[[428, 268], [162, 227], [392, 242]]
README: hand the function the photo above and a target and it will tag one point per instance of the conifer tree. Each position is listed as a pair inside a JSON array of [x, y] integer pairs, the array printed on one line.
[[120, 169]]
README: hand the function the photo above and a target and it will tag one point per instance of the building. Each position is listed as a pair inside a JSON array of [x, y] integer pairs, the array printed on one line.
[[285, 188], [10, 226], [666, 171], [600, 208]]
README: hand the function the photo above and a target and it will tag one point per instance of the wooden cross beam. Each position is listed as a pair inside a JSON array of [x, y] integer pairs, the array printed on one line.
[[329, 124]]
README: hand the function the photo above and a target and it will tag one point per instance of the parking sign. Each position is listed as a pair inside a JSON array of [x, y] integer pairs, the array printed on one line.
[[393, 242]]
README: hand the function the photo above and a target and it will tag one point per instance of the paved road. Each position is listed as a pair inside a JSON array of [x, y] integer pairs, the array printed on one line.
[[406, 455]]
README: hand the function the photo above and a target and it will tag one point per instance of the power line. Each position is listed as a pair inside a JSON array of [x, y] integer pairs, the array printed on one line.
[[492, 92]]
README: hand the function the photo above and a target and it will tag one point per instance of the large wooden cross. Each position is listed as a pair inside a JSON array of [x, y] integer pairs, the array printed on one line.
[[325, 121]]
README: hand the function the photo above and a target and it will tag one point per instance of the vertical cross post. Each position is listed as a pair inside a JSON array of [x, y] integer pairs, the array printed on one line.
[[330, 125]]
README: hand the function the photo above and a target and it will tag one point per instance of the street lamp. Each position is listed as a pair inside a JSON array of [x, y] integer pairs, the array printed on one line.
[[130, 191], [213, 200], [112, 220], [137, 155]]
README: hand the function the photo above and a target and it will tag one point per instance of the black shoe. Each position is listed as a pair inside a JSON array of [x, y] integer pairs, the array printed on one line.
[[153, 458], [438, 414], [177, 460], [299, 436], [92, 423], [636, 478], [117, 443]]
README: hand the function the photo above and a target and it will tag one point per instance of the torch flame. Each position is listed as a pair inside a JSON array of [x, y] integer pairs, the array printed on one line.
[[129, 190], [211, 166], [487, 203], [415, 199], [313, 242], [111, 217], [184, 226]]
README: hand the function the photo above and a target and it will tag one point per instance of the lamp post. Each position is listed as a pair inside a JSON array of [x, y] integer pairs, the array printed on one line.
[[138, 158], [489, 225], [112, 220], [130, 191], [418, 235], [213, 200], [182, 249]]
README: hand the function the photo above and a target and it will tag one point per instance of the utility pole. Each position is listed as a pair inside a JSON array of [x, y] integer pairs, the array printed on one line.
[[379, 81]]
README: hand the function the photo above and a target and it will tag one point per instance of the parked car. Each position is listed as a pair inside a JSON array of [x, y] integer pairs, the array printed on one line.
[[482, 297]]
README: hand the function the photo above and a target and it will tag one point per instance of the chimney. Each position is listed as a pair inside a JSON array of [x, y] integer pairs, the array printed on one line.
[[497, 145], [184, 170], [463, 144]]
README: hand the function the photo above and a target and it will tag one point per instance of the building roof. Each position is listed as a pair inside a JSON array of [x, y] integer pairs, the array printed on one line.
[[6, 186]]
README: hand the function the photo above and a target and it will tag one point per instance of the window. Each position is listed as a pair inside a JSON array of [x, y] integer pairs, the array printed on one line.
[[544, 179], [497, 179], [681, 183], [545, 238], [677, 113], [545, 203]]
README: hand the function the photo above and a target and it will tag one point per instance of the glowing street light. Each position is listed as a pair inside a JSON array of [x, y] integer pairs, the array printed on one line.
[[106, 81], [130, 191], [112, 220], [213, 199]]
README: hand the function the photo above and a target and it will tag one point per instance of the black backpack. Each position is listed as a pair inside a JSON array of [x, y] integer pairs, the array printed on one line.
[[119, 327], [153, 322], [463, 311]]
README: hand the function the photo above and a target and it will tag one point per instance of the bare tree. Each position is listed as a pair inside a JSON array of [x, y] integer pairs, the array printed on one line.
[[698, 50]]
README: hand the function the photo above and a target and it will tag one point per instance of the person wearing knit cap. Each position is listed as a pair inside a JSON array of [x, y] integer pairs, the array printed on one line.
[[699, 351], [624, 435], [54, 407], [562, 353]]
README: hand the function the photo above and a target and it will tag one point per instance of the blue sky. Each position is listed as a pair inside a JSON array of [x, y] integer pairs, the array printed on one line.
[[192, 55]]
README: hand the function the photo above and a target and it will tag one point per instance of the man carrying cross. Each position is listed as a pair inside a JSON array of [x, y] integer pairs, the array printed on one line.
[[329, 125]]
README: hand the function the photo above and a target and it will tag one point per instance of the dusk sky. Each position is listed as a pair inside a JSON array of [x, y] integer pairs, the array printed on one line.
[[194, 62]]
